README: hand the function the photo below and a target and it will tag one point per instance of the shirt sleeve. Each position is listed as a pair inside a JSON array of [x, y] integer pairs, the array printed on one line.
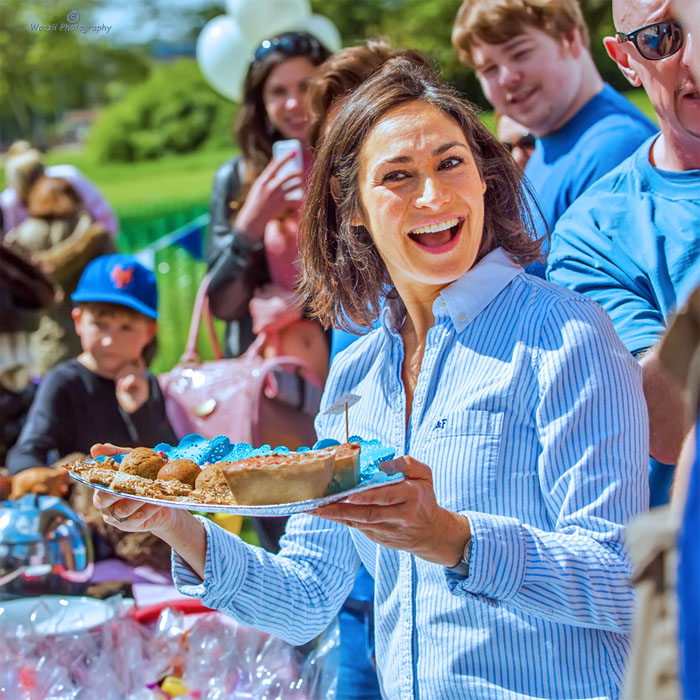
[[43, 426], [294, 594], [583, 257], [592, 426], [236, 266]]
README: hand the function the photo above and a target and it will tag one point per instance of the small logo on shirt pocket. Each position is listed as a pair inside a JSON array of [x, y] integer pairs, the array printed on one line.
[[439, 425]]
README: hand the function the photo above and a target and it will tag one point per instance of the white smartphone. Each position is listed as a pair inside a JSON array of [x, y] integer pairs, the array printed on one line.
[[281, 149]]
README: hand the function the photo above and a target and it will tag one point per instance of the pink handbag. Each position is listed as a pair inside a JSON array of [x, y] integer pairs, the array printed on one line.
[[248, 399]]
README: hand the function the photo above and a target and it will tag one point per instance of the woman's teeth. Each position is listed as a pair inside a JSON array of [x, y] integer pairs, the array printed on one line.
[[436, 235], [434, 228]]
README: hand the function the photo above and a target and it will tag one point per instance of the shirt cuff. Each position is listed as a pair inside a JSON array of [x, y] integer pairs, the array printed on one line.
[[225, 568], [498, 559]]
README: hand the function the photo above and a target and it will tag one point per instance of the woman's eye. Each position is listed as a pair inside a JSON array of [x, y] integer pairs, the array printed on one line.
[[451, 162], [395, 176], [521, 55]]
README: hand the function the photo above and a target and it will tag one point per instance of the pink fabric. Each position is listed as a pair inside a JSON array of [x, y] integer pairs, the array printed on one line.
[[282, 251], [281, 247], [14, 213]]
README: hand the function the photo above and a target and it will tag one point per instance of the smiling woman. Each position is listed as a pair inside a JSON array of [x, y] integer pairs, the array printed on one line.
[[429, 149], [517, 416]]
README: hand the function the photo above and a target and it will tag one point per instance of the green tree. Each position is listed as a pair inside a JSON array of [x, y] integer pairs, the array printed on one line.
[[173, 111], [43, 73]]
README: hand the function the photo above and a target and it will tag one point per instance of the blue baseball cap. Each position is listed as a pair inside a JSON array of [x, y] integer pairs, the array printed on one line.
[[119, 279]]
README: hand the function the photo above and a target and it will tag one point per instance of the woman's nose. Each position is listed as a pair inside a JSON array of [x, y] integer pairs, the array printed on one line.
[[294, 100], [432, 195]]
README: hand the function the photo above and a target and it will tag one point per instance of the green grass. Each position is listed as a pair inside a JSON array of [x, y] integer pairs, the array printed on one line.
[[152, 186]]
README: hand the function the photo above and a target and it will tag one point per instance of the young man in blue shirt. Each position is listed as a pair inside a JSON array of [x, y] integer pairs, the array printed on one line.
[[632, 242], [534, 65]]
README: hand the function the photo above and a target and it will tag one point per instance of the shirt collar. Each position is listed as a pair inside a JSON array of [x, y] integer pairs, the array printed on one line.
[[465, 298], [468, 296]]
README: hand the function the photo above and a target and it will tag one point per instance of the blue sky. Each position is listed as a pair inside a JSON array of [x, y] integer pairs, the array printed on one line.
[[129, 25]]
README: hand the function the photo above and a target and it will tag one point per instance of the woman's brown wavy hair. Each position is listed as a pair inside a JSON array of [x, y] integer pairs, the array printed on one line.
[[344, 280]]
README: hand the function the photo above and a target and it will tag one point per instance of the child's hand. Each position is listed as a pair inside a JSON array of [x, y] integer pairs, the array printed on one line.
[[132, 386]]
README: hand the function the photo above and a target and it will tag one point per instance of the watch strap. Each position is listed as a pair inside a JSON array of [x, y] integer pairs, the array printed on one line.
[[462, 567]]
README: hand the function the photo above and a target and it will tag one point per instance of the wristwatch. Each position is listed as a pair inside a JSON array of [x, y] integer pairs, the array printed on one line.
[[462, 567]]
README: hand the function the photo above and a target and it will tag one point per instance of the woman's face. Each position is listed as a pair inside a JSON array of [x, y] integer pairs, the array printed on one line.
[[422, 197], [284, 97]]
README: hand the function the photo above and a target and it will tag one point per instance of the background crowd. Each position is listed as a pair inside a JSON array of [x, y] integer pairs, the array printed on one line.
[[611, 208]]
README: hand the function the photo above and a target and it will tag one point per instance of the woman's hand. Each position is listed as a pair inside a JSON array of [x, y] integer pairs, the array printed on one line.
[[273, 307], [135, 516], [405, 515], [268, 198], [107, 449], [178, 528]]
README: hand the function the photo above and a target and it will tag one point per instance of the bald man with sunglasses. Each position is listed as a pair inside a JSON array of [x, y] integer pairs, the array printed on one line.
[[632, 242]]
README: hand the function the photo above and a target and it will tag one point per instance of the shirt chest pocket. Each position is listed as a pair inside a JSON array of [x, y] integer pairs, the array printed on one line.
[[463, 451]]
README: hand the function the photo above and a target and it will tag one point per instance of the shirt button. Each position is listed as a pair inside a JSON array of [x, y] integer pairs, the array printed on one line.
[[418, 398], [462, 318], [442, 305]]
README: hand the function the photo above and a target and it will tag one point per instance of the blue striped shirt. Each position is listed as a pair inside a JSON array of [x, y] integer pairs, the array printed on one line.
[[530, 412]]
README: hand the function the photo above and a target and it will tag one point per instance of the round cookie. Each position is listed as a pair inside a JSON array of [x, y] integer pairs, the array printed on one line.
[[211, 476], [142, 461], [184, 470]]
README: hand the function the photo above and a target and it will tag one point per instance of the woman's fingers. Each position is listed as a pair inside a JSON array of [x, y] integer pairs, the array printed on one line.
[[107, 449], [273, 167], [409, 467]]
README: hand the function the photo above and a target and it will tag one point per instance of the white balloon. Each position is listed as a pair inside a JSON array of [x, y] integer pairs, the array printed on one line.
[[324, 30], [262, 19], [224, 54]]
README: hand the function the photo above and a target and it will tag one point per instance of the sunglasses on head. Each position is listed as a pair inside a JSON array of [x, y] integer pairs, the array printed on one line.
[[526, 141], [656, 41], [290, 44]]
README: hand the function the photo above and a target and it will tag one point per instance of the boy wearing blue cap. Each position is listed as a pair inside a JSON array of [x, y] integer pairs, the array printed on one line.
[[106, 394]]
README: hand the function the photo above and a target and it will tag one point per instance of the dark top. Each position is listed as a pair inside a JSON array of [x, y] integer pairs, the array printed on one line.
[[75, 408], [237, 267]]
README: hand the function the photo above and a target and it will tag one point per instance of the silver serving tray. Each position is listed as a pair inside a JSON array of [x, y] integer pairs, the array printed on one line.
[[281, 509]]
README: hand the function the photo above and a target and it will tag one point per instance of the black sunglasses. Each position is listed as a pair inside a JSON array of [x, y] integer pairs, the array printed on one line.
[[656, 41], [291, 44], [526, 141]]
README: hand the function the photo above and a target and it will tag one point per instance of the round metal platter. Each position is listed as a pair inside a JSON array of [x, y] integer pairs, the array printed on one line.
[[376, 481]]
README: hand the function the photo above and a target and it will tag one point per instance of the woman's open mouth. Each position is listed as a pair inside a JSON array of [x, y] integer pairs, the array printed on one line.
[[438, 237]]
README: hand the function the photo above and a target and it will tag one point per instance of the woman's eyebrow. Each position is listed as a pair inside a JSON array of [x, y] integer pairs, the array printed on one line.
[[438, 151], [446, 147]]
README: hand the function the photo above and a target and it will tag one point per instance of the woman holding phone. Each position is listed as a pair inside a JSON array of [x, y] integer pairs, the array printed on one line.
[[251, 250]]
